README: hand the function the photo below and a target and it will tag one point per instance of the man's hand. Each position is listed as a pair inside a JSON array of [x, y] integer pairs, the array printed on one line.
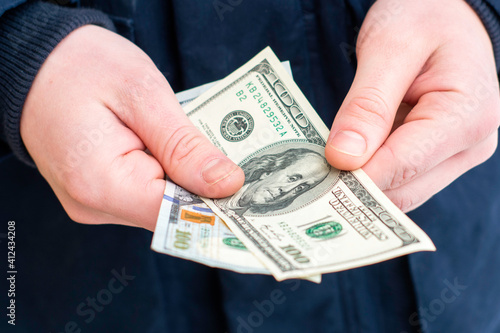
[[436, 58], [95, 106]]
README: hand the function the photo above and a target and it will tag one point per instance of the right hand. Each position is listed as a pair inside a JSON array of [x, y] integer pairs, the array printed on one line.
[[95, 106]]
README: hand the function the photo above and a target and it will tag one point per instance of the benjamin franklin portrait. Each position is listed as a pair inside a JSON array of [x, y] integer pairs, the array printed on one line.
[[275, 180]]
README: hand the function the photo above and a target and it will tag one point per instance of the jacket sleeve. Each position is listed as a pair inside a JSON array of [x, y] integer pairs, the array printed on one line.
[[489, 12], [28, 33]]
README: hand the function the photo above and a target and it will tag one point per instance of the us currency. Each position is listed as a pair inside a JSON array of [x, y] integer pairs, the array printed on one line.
[[298, 215], [187, 228], [187, 96]]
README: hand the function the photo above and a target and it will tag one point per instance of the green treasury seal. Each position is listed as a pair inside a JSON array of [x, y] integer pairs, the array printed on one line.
[[234, 242], [237, 126], [325, 230]]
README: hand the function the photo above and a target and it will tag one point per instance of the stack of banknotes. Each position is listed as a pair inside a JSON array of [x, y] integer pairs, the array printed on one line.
[[296, 216]]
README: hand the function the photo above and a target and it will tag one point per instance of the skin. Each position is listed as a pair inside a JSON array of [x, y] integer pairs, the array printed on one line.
[[285, 183], [97, 103], [434, 56]]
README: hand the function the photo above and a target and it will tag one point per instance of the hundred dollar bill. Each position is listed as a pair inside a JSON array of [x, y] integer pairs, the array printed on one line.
[[187, 228], [297, 214], [187, 96]]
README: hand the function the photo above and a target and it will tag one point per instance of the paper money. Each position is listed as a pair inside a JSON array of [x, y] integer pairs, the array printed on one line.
[[187, 96], [187, 228], [297, 215]]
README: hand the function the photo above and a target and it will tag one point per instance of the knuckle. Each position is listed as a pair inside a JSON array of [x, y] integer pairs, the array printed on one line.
[[488, 148], [405, 200], [368, 106], [404, 203], [403, 171], [183, 145], [76, 215], [78, 190], [75, 212], [494, 117], [483, 129], [403, 176]]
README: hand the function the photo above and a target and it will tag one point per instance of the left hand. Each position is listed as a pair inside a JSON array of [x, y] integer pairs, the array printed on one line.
[[435, 57]]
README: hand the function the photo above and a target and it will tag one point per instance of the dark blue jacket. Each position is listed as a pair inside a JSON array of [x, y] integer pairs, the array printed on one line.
[[75, 277]]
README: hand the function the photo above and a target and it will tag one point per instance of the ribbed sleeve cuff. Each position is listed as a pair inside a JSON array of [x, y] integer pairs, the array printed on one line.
[[491, 21], [27, 35]]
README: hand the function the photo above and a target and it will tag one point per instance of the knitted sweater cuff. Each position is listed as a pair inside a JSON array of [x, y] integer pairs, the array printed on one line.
[[491, 20], [28, 34]]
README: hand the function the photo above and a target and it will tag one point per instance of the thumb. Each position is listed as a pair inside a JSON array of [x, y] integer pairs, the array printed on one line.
[[185, 154], [386, 70]]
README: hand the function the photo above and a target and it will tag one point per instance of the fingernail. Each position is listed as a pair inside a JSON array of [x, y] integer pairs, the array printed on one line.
[[217, 169], [348, 142]]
